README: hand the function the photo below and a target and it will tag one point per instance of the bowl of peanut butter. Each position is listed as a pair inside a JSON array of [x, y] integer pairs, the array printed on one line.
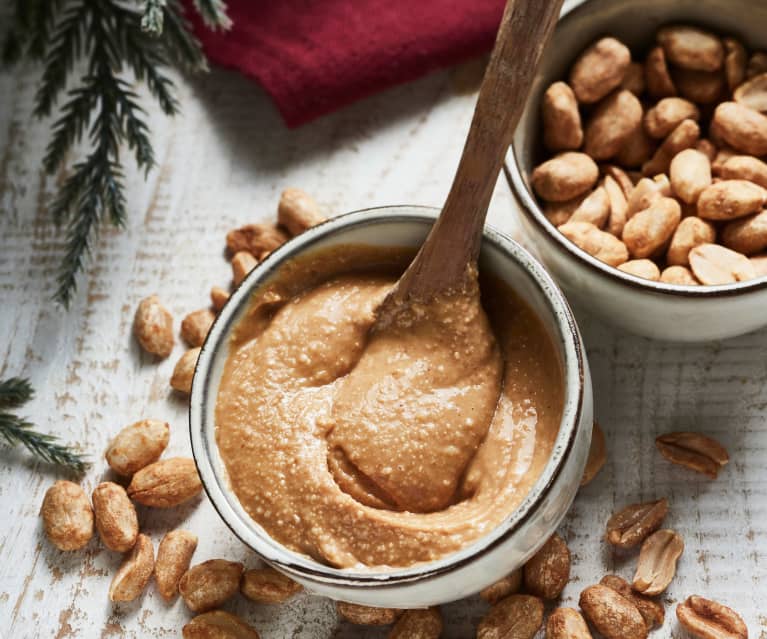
[[400, 468]]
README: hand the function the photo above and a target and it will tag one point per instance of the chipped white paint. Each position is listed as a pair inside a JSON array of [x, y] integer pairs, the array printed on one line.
[[222, 164]]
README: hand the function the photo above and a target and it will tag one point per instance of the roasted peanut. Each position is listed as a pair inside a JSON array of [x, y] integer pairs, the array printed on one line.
[[700, 86], [195, 326], [601, 245], [678, 275], [753, 93], [566, 623], [685, 136], [731, 199], [617, 204], [644, 268], [657, 76], [692, 48], [562, 129], [509, 585], [652, 611], [242, 264], [183, 372], [67, 516], [516, 617], [657, 562], [209, 584], [707, 148], [710, 620], [713, 264], [631, 526], [218, 297], [599, 69], [649, 231], [297, 211], [255, 239], [735, 61], [418, 624], [595, 208], [694, 451], [266, 585], [757, 64], [134, 573], [646, 193], [174, 555], [747, 235], [722, 157], [611, 125], [637, 150], [116, 518], [153, 327], [614, 616], [166, 483], [690, 175], [741, 127], [744, 167], [559, 213], [218, 624], [548, 571], [759, 263], [634, 79], [367, 615], [691, 232], [597, 455], [667, 114], [620, 177], [137, 445], [565, 177]]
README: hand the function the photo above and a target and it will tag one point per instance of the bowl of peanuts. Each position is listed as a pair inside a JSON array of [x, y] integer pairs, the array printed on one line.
[[640, 164]]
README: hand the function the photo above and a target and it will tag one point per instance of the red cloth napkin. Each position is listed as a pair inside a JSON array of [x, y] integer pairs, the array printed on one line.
[[315, 56]]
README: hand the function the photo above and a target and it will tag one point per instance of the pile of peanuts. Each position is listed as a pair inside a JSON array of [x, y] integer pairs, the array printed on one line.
[[657, 166]]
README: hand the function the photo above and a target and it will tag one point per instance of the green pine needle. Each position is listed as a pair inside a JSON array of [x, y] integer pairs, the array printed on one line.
[[15, 392], [115, 42]]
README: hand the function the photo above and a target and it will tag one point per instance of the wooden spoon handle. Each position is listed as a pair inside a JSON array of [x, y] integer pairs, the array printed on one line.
[[454, 241]]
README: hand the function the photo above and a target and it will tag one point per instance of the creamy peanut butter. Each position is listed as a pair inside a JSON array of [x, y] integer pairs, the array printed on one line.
[[391, 447]]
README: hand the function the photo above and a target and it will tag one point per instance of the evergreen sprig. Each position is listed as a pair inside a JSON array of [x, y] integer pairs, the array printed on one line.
[[97, 47], [14, 393]]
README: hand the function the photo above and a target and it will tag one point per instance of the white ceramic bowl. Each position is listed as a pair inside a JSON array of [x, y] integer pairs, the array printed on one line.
[[652, 309], [493, 556]]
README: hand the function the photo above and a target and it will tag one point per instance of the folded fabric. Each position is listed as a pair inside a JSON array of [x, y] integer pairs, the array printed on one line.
[[315, 56]]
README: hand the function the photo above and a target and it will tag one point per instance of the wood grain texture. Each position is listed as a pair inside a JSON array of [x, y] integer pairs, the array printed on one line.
[[224, 163]]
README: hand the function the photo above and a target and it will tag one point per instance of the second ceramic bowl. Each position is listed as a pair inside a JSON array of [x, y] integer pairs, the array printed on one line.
[[490, 558], [652, 309]]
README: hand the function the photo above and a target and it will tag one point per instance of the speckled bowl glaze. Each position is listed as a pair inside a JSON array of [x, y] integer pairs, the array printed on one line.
[[653, 309], [491, 557]]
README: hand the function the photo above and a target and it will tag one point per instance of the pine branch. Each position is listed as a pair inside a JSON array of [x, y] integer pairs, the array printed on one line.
[[181, 45], [15, 392], [152, 20], [213, 13]]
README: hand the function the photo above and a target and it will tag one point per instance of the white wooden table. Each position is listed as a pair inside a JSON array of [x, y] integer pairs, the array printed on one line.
[[222, 164]]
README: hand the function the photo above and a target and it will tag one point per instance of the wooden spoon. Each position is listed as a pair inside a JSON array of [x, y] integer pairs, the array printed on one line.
[[455, 238]]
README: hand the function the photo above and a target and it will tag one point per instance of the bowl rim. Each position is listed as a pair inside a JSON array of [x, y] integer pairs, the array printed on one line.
[[563, 330], [532, 211]]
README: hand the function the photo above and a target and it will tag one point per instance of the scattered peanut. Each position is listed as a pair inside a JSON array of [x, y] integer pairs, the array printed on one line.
[[67, 516], [174, 555], [367, 615], [183, 372], [297, 211], [195, 326], [566, 623], [710, 620], [134, 573], [209, 584], [509, 585], [694, 451], [516, 617], [657, 562], [116, 518], [153, 327], [632, 525], [166, 483], [218, 297], [255, 239], [418, 624], [137, 445], [218, 624], [614, 616], [652, 611], [266, 585], [242, 264], [548, 571], [597, 455]]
